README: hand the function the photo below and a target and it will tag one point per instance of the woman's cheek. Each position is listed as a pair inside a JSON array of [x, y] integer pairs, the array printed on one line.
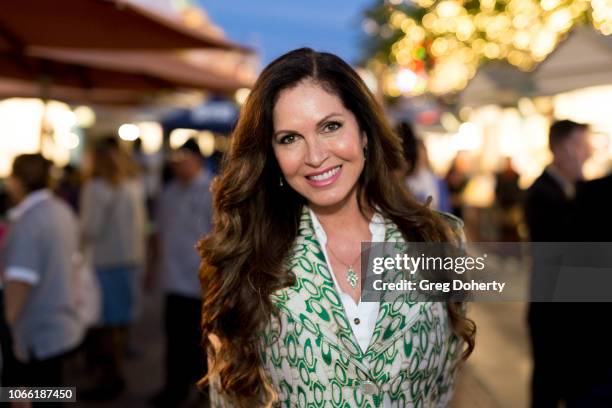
[[289, 160], [347, 144]]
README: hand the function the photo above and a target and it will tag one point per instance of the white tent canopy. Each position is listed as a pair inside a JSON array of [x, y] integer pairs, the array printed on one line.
[[496, 83], [583, 59]]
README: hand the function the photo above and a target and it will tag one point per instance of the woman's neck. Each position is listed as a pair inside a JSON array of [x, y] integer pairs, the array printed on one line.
[[345, 217]]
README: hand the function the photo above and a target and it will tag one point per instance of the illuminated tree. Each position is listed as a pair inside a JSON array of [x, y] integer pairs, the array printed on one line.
[[436, 46]]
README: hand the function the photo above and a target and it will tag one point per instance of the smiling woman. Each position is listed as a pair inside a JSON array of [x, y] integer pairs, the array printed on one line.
[[313, 171]]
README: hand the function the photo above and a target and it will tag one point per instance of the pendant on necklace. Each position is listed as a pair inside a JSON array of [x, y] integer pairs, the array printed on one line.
[[351, 277]]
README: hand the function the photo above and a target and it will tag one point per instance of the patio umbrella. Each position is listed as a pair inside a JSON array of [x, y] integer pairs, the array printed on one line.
[[96, 24], [167, 66], [49, 73], [100, 25], [149, 73], [11, 88], [52, 78]]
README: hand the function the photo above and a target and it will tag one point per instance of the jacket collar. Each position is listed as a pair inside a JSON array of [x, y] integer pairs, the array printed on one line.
[[568, 188]]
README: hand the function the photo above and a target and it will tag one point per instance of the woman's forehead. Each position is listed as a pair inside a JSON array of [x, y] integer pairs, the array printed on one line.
[[306, 103]]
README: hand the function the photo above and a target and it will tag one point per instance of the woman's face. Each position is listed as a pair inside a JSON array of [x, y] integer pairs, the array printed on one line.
[[318, 145]]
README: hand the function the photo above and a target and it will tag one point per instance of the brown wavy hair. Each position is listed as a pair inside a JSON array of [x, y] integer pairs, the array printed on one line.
[[256, 220]]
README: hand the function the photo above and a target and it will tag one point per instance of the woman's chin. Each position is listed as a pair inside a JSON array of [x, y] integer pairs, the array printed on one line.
[[328, 200]]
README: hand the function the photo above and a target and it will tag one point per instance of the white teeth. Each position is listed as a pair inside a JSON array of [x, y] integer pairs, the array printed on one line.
[[325, 175]]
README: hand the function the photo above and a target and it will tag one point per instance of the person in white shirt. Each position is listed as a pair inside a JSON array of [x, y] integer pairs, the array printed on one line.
[[39, 295], [184, 216], [422, 182], [113, 235]]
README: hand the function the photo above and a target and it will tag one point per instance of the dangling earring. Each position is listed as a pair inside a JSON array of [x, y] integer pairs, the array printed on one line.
[[280, 181]]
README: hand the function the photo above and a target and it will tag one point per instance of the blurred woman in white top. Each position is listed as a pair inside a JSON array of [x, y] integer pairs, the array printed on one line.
[[113, 233]]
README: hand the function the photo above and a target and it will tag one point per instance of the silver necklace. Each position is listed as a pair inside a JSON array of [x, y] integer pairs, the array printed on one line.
[[351, 275]]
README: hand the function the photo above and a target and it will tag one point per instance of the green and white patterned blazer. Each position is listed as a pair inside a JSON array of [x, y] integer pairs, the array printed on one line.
[[312, 359]]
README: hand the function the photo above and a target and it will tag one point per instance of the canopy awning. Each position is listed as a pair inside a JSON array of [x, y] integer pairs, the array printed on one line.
[[582, 60], [97, 24]]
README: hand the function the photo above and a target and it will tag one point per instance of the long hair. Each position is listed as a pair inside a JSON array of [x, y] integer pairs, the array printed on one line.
[[256, 219], [409, 145]]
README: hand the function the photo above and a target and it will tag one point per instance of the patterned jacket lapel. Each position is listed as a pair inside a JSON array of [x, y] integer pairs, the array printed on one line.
[[313, 300], [396, 314]]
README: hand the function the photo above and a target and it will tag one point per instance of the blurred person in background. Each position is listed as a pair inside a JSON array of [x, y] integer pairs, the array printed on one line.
[[184, 216], [594, 198], [214, 162], [145, 174], [558, 353], [112, 228], [550, 199], [509, 200], [420, 178], [69, 186], [149, 166], [457, 179], [38, 276], [4, 200]]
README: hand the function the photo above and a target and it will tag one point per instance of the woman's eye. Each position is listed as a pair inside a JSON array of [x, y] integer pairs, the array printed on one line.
[[332, 126], [287, 139]]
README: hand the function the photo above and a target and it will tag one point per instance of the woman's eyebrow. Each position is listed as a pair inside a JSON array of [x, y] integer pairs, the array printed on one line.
[[319, 123], [278, 132]]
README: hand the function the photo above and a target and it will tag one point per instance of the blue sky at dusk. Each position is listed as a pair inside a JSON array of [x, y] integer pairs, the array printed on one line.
[[275, 27]]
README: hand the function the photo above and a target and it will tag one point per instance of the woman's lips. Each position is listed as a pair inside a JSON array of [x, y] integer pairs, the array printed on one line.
[[326, 178]]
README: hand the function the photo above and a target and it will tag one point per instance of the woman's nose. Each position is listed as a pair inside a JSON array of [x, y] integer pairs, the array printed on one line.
[[316, 153]]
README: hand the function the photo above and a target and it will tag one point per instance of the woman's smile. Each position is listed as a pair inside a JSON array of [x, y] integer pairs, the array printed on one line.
[[325, 177]]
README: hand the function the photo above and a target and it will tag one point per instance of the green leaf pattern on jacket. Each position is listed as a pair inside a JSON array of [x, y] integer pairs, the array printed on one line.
[[312, 358]]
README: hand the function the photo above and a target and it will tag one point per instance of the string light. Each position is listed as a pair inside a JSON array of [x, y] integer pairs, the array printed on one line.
[[443, 41]]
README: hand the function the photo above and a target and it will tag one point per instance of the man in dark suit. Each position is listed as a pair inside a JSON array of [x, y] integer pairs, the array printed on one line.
[[550, 199], [549, 210]]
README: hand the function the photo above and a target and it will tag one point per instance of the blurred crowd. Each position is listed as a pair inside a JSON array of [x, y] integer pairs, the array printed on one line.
[[565, 338], [447, 192], [80, 249]]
